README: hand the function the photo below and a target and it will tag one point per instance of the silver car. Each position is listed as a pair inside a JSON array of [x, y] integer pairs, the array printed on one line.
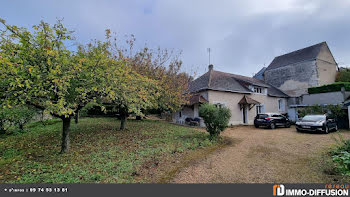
[[316, 123]]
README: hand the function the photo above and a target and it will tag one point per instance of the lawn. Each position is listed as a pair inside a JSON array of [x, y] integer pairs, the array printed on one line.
[[149, 151]]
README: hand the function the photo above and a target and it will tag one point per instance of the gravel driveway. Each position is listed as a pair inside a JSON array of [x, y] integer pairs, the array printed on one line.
[[265, 156]]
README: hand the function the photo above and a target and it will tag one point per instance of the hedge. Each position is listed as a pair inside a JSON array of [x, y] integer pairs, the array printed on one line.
[[334, 87]]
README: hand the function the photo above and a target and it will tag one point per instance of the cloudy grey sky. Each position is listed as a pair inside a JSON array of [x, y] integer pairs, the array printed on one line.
[[243, 34]]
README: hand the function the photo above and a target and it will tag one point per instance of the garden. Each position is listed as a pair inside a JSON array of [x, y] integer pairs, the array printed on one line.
[[148, 151], [45, 84]]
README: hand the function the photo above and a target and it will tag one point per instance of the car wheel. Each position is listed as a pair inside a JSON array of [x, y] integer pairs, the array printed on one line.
[[287, 125], [256, 126], [326, 130], [298, 130], [272, 126]]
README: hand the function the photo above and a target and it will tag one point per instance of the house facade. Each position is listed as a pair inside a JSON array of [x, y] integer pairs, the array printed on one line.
[[280, 87], [244, 96]]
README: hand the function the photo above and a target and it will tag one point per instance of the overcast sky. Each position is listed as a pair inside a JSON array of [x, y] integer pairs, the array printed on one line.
[[244, 35]]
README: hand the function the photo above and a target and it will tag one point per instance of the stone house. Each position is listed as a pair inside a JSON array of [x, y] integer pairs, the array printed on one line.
[[281, 87], [295, 72], [244, 96]]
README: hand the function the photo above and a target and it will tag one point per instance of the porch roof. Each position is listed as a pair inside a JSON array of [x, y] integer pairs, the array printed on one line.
[[194, 99], [248, 100]]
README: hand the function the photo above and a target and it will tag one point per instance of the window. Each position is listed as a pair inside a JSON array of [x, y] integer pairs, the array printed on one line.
[[262, 116], [180, 114], [257, 90], [260, 109], [219, 105], [280, 105], [276, 116], [313, 118]]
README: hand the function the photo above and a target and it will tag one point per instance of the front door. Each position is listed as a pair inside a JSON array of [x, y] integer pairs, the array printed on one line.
[[245, 114]]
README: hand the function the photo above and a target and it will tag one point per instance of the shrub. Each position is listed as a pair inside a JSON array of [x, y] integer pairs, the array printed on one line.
[[343, 75], [21, 115], [341, 155], [334, 87], [334, 111], [215, 119], [17, 116], [342, 161], [5, 120]]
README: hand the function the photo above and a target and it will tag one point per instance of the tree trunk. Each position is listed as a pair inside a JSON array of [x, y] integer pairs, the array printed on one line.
[[65, 135], [2, 130], [76, 117], [21, 127], [213, 135], [122, 121]]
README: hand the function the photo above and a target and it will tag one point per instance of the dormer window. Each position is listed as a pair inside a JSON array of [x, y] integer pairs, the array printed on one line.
[[258, 90]]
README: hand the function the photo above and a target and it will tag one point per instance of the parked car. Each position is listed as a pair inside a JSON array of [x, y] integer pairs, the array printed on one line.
[[322, 123], [193, 121], [271, 120]]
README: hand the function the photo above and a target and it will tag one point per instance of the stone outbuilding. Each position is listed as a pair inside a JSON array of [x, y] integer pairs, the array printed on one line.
[[295, 72]]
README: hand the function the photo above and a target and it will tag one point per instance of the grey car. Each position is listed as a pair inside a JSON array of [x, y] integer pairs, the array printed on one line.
[[316, 123]]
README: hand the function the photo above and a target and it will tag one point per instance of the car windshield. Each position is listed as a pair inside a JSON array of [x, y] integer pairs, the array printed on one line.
[[276, 115], [262, 116], [313, 118]]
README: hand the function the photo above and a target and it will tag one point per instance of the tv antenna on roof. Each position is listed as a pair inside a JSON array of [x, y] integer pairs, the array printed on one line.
[[209, 50]]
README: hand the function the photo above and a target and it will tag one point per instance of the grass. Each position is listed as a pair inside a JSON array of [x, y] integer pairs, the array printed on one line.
[[147, 152]]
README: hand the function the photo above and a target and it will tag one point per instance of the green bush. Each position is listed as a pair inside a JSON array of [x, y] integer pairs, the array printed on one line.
[[343, 75], [334, 111], [216, 119], [341, 158], [342, 161], [85, 110], [21, 115], [334, 87], [341, 155], [5, 120], [15, 117]]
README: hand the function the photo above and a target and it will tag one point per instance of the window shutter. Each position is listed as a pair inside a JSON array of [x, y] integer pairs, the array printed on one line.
[[262, 108]]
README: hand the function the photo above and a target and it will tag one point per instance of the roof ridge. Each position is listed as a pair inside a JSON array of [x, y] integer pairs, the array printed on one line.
[[304, 54], [237, 75], [324, 42]]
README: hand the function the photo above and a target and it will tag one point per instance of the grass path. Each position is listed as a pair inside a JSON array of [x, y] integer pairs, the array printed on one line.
[[266, 156]]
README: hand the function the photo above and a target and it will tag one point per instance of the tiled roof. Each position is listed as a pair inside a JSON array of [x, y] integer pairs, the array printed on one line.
[[194, 99], [248, 100], [226, 82], [201, 83], [221, 81], [300, 55]]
